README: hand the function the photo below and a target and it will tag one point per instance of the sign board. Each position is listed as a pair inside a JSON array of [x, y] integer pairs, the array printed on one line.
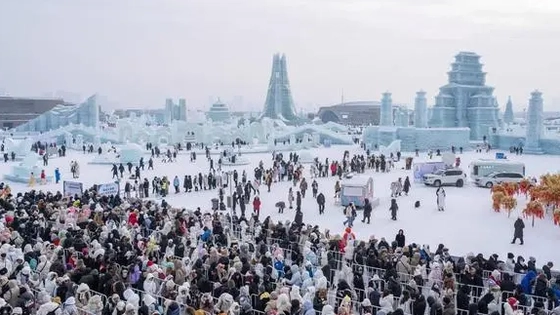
[[72, 188], [108, 189]]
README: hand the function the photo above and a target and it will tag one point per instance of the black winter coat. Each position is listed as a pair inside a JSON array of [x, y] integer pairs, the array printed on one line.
[[518, 226]]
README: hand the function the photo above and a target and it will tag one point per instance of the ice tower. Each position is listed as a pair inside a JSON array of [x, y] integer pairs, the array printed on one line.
[[386, 115], [508, 114], [534, 124], [466, 101], [420, 110], [279, 103]]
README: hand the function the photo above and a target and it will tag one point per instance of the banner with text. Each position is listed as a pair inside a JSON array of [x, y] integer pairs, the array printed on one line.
[[72, 188], [108, 189]]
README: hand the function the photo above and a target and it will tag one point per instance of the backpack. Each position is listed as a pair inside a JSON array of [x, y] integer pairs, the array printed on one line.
[[53, 312]]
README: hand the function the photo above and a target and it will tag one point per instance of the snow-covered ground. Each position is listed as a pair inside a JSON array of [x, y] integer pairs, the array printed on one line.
[[468, 224]]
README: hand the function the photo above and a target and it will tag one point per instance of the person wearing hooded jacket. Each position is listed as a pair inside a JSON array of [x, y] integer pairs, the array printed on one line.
[[435, 306], [296, 276]]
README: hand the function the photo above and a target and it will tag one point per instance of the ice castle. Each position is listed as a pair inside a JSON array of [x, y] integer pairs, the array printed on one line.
[[279, 103], [466, 100]]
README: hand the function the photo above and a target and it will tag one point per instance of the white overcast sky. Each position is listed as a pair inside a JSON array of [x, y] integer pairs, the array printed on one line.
[[138, 52]]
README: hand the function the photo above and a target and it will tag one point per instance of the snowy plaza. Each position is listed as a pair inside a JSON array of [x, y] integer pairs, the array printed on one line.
[[468, 225]]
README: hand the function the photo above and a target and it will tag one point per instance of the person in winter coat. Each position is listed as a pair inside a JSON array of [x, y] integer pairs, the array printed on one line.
[[291, 198], [400, 239], [257, 206], [350, 214], [298, 219], [321, 203], [440, 196], [518, 230], [528, 281], [299, 195], [57, 175], [303, 187], [448, 306], [367, 211], [435, 306], [314, 188], [176, 184], [406, 186], [394, 208]]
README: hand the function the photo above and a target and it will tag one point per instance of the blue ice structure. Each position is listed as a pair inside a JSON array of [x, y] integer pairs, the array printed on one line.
[[85, 114], [508, 114], [219, 112], [532, 137], [466, 100], [279, 103], [174, 111], [21, 173], [413, 137], [420, 110], [386, 113]]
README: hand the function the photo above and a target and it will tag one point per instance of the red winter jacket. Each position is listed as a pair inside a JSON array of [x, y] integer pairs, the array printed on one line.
[[256, 204]]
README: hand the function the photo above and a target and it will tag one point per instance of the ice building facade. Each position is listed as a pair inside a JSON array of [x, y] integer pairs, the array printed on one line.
[[532, 136], [174, 111], [85, 114], [219, 112], [466, 101], [279, 103], [416, 137]]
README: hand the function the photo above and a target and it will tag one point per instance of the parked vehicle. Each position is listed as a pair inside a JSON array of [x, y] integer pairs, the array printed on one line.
[[497, 178], [447, 177], [484, 167]]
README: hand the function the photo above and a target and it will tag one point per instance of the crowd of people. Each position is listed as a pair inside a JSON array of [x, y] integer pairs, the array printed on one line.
[[114, 255]]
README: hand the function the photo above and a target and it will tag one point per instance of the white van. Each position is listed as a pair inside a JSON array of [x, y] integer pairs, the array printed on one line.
[[483, 167]]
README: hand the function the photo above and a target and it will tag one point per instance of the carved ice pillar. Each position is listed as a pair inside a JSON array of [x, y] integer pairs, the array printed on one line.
[[534, 124], [386, 115], [402, 117], [420, 110]]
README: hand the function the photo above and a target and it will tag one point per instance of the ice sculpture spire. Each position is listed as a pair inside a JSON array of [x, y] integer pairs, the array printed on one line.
[[279, 103], [420, 110], [508, 114], [534, 123], [386, 115]]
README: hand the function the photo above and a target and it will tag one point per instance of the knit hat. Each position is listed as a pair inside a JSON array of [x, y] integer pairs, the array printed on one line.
[[17, 311]]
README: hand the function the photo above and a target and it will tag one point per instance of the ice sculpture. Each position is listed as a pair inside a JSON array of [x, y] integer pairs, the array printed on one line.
[[420, 110], [21, 173], [386, 115], [279, 103], [534, 124], [466, 101], [394, 147], [508, 114], [86, 114], [130, 152]]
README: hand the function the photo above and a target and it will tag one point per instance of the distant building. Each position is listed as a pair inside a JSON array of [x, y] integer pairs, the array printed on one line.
[[219, 112], [355, 113], [15, 111]]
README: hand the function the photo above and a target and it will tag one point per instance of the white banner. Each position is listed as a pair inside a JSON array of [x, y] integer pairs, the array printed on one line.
[[72, 188], [108, 189]]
